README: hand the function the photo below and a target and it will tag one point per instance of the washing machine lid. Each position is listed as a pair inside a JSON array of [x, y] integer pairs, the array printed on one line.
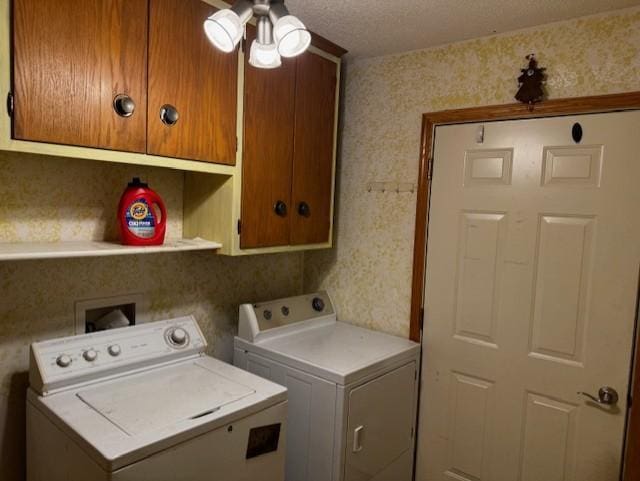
[[139, 405], [340, 352]]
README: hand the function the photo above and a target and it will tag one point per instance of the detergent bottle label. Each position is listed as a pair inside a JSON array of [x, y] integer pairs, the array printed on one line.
[[140, 219]]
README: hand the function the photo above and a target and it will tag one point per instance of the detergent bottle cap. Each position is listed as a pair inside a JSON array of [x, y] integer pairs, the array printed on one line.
[[137, 183]]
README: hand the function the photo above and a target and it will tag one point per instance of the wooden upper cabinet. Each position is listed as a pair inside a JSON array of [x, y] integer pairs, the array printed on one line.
[[70, 60], [190, 77], [268, 152], [313, 151]]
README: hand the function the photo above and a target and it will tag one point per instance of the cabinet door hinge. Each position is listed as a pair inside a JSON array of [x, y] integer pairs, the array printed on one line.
[[430, 168], [10, 104], [236, 143], [421, 323], [239, 227]]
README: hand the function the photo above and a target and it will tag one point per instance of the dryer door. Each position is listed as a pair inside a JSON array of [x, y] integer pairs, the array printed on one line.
[[380, 427]]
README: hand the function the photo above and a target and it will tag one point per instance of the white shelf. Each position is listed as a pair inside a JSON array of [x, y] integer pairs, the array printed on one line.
[[61, 250]]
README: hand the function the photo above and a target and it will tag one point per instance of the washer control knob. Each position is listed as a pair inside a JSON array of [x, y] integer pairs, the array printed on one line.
[[114, 350], [63, 360], [317, 304], [90, 355], [178, 336]]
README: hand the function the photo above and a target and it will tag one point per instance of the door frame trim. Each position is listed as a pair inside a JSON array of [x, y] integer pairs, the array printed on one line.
[[551, 108]]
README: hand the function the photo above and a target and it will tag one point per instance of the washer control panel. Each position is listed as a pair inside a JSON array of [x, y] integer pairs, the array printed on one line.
[[61, 362]]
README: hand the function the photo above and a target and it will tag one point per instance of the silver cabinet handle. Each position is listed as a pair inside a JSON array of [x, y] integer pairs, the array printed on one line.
[[357, 444], [606, 395], [169, 114], [124, 105]]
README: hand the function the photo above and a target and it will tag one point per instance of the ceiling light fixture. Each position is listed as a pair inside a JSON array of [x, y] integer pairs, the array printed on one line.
[[279, 34]]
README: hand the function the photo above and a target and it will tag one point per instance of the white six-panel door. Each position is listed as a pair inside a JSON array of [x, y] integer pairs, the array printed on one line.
[[530, 295]]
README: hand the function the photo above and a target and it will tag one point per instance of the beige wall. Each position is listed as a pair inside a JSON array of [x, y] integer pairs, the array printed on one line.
[[369, 271], [43, 198]]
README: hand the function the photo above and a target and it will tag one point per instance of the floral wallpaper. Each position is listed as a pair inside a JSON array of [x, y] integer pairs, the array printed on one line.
[[48, 199], [368, 272]]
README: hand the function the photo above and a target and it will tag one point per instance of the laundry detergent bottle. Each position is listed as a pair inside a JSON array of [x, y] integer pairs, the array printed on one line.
[[139, 222]]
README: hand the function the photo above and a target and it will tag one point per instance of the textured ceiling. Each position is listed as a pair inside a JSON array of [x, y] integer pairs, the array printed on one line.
[[377, 27]]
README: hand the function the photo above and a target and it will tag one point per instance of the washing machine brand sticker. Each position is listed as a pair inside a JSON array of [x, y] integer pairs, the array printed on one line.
[[140, 219]]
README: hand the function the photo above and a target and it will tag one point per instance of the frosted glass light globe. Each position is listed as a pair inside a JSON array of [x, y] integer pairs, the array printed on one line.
[[264, 55], [291, 36], [224, 30]]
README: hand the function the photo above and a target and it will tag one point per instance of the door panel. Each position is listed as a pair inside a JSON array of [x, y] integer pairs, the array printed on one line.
[[562, 270], [530, 296], [548, 450], [380, 420], [268, 152], [70, 60], [471, 401], [187, 72], [481, 249], [315, 104]]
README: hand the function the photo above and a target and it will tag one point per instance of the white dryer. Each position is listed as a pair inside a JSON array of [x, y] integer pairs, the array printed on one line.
[[145, 403], [352, 392]]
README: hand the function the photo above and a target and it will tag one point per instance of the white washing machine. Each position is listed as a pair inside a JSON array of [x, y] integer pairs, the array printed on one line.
[[352, 392], [145, 403]]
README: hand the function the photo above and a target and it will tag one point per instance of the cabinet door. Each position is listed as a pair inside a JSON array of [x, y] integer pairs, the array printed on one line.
[[188, 74], [313, 157], [70, 60], [268, 152]]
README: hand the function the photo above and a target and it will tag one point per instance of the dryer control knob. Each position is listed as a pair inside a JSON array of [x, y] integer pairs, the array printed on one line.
[[178, 336], [90, 355], [317, 304], [114, 350], [63, 360]]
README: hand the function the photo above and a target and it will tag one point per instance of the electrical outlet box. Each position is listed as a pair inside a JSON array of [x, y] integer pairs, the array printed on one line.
[[89, 311]]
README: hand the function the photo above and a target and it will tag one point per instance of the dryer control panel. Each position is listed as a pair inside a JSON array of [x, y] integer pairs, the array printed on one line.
[[59, 363], [268, 319]]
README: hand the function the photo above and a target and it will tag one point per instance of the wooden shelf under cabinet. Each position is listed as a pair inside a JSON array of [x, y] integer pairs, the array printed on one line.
[[63, 250]]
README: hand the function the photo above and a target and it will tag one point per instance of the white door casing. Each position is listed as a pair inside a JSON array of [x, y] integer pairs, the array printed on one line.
[[530, 293]]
